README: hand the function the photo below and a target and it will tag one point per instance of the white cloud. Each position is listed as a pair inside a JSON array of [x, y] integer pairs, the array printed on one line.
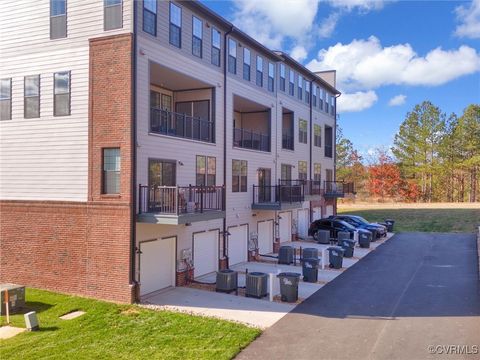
[[299, 53], [362, 5], [366, 64], [357, 101], [469, 18], [397, 100], [328, 25]]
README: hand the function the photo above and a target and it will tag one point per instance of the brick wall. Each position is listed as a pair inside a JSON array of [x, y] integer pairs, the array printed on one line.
[[82, 247]]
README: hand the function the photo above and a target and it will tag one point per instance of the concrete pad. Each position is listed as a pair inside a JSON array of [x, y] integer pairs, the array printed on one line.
[[72, 315], [261, 314], [7, 332]]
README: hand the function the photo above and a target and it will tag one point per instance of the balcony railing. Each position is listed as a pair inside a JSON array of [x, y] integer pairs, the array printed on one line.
[[251, 140], [287, 142], [178, 200], [278, 194], [181, 125], [310, 187], [338, 188]]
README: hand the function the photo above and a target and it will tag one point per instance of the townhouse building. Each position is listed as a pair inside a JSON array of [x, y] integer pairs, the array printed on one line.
[[147, 142]]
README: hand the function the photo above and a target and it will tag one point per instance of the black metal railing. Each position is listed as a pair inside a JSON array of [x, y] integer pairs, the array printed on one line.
[[181, 125], [287, 142], [176, 200], [278, 194], [251, 140], [338, 188], [310, 187]]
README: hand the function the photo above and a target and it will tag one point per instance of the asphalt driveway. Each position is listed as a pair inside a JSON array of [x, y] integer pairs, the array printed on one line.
[[415, 297]]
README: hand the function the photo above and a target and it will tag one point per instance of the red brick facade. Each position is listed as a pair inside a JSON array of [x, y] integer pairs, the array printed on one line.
[[82, 248]]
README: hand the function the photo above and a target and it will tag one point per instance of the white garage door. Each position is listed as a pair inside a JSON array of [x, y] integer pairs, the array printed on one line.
[[205, 252], [265, 236], [303, 223], [157, 265], [329, 210], [285, 226], [317, 213], [237, 244]]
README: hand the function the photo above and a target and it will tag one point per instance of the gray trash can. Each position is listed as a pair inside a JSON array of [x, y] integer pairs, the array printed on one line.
[[310, 253], [374, 234], [322, 236], [335, 256], [289, 286], [285, 255], [364, 238], [390, 223], [310, 270], [348, 247], [343, 235]]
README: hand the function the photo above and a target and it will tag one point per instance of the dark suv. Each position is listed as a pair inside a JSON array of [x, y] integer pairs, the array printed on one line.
[[333, 225], [360, 223]]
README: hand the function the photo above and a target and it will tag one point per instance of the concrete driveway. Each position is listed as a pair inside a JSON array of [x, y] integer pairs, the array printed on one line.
[[415, 297]]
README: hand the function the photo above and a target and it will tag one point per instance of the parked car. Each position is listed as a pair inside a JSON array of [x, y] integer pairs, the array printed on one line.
[[360, 223], [332, 225]]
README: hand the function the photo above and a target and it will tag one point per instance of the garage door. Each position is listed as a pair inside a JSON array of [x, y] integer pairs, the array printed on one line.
[[265, 236], [329, 210], [237, 244], [205, 252], [157, 265], [317, 213], [303, 222], [285, 226]]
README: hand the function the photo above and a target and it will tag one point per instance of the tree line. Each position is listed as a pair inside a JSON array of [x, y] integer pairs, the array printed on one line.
[[434, 158]]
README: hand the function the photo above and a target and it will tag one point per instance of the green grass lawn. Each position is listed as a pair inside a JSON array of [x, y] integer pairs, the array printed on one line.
[[421, 219], [111, 331]]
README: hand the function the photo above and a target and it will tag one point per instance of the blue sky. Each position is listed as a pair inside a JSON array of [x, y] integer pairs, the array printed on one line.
[[389, 55]]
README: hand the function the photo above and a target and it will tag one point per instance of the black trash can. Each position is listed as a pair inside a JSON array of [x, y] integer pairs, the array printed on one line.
[[310, 270], [374, 234], [364, 238], [310, 253], [286, 255], [335, 257], [390, 223], [322, 236], [348, 247], [289, 286]]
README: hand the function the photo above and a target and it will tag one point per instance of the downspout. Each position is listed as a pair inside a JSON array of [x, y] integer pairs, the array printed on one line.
[[335, 150], [133, 145], [311, 142], [225, 143]]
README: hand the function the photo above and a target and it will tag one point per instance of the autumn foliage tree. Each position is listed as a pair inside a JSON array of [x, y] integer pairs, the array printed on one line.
[[384, 180]]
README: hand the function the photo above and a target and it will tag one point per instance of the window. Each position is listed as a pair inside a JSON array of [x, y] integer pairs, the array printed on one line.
[[326, 101], [321, 95], [307, 92], [282, 77], [150, 17], [291, 84], [300, 87], [61, 94], [317, 135], [239, 175], [112, 14], [328, 141], [314, 95], [246, 64], [206, 170], [197, 28], [332, 105], [111, 171], [5, 99], [302, 170], [259, 77], [286, 172], [31, 97], [175, 36], [271, 77], [58, 19], [232, 56], [162, 172], [216, 47], [302, 131], [329, 174], [317, 172]]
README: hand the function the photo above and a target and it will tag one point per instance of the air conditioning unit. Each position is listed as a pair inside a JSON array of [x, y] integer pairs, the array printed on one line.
[[256, 284], [309, 253], [322, 236], [227, 281], [16, 298], [286, 255]]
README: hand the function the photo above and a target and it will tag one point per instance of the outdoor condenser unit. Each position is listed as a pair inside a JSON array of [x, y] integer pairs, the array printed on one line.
[[309, 253], [227, 281], [285, 255], [256, 284]]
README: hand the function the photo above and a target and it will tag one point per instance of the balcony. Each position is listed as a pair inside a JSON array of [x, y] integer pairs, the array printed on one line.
[[176, 205], [312, 189], [278, 197], [338, 189], [170, 123], [287, 142], [251, 140]]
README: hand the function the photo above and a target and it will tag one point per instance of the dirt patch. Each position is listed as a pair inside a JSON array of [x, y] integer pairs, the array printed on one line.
[[7, 332]]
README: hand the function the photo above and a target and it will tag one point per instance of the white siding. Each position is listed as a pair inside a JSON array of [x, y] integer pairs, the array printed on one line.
[[47, 158]]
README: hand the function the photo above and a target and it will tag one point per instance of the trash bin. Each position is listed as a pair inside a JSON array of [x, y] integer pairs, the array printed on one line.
[[289, 286], [348, 247], [390, 223], [343, 235], [322, 236], [374, 234], [335, 257], [364, 238], [286, 255], [310, 253], [310, 270]]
